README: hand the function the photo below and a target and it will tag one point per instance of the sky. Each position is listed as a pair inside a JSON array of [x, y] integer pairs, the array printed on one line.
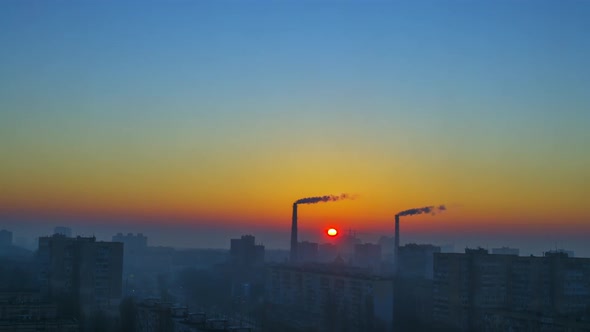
[[192, 117]]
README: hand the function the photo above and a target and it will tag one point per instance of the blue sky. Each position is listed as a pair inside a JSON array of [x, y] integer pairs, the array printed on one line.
[[464, 97]]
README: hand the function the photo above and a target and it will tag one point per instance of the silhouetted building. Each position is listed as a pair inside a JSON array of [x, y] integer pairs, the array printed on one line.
[[276, 255], [5, 238], [307, 252], [505, 251], [447, 248], [26, 310], [134, 245], [82, 272], [413, 300], [156, 316], [417, 260], [345, 245], [569, 253], [368, 255], [472, 286], [387, 244], [65, 231], [327, 298], [327, 252], [245, 252]]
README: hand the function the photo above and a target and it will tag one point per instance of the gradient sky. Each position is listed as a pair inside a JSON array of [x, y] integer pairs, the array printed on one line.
[[224, 113]]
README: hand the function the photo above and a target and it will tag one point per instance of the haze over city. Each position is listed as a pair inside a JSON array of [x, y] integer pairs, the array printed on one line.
[[294, 166]]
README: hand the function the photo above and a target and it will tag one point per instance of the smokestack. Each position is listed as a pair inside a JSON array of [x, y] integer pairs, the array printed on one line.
[[310, 200], [427, 209], [396, 244], [294, 235]]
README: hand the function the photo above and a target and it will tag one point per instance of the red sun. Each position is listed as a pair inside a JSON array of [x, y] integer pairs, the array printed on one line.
[[332, 232]]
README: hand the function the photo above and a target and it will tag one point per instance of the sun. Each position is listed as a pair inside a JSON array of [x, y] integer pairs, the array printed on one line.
[[332, 232]]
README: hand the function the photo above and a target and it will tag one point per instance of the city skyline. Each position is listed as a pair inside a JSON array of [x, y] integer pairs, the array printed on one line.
[[215, 117]]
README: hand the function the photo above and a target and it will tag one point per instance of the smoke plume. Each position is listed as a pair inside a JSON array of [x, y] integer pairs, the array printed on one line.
[[321, 199], [426, 209]]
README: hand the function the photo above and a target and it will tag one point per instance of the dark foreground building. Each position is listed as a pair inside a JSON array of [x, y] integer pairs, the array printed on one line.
[[477, 291], [327, 298], [82, 275], [245, 252], [28, 311], [156, 316]]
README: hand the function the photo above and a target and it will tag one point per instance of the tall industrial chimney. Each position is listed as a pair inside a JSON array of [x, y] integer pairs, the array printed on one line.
[[294, 235], [396, 244]]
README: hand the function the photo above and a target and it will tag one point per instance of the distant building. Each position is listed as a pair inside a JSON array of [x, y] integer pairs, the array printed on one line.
[[476, 288], [245, 252], [413, 300], [505, 251], [277, 255], [417, 260], [346, 244], [134, 245], [387, 244], [85, 272], [65, 231], [447, 248], [326, 298], [368, 255], [5, 238], [569, 253], [307, 252], [327, 252], [138, 260]]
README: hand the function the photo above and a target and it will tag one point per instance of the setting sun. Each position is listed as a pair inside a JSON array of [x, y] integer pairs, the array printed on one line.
[[332, 232]]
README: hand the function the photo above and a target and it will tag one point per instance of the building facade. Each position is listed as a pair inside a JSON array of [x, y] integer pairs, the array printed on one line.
[[28, 311], [368, 255], [327, 298], [134, 245], [506, 251], [470, 288], [65, 231], [307, 252], [84, 274], [245, 252], [417, 260]]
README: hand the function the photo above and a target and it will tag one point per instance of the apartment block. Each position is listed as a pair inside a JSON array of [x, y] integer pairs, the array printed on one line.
[[329, 298], [82, 272], [472, 286]]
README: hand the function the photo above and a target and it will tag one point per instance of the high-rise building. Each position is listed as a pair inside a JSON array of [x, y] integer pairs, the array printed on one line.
[[5, 238], [569, 253], [307, 252], [327, 252], [328, 298], [387, 244], [505, 251], [345, 245], [27, 311], [417, 260], [472, 286], [134, 245], [413, 300], [85, 273], [368, 255], [245, 252], [65, 231]]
